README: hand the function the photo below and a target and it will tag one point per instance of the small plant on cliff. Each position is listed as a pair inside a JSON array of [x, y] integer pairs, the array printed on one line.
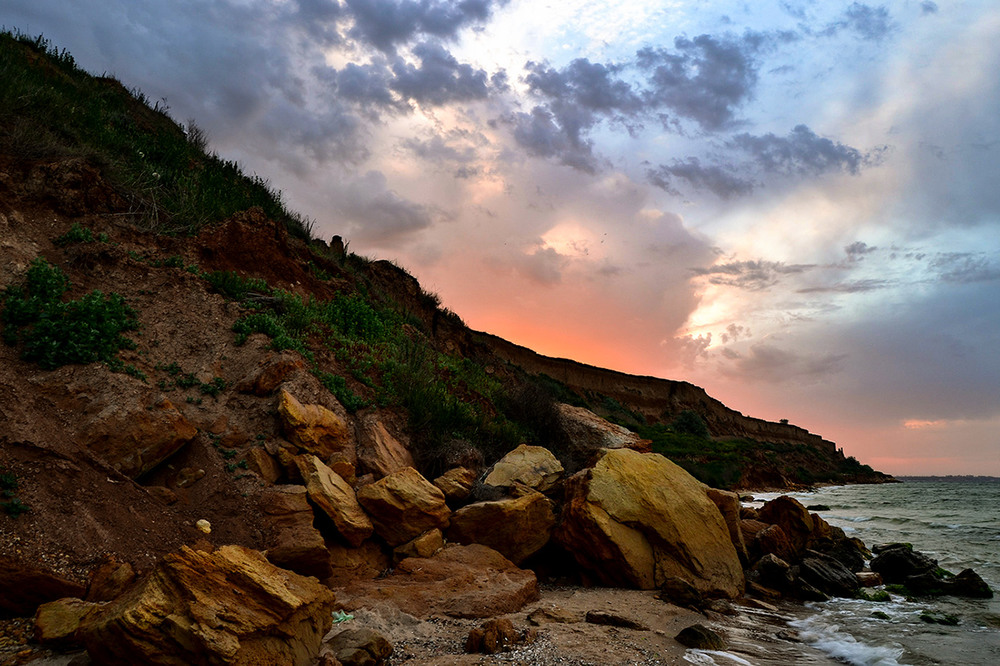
[[55, 333], [10, 503], [689, 423]]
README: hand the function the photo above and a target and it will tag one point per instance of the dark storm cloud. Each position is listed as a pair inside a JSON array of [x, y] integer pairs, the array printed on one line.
[[802, 152], [769, 363], [439, 79], [542, 135], [379, 215], [368, 86], [705, 79], [867, 22], [751, 275], [386, 24], [858, 249], [723, 182], [593, 86]]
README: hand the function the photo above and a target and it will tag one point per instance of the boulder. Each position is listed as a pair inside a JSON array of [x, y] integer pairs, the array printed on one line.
[[587, 433], [293, 542], [636, 519], [555, 615], [532, 466], [495, 635], [231, 606], [263, 464], [700, 637], [729, 506], [828, 575], [378, 451], [271, 373], [459, 581], [336, 499], [134, 438], [366, 562], [456, 483], [424, 545], [773, 572], [109, 580], [793, 518], [360, 647], [774, 540], [749, 528], [680, 592], [612, 619], [57, 622], [404, 505], [970, 584], [312, 428], [896, 562], [516, 528], [24, 587]]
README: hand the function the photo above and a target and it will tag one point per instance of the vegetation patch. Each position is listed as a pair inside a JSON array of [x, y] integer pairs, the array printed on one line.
[[9, 502], [53, 332]]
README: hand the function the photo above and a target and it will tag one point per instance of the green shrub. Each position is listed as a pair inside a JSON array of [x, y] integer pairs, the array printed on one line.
[[689, 422], [337, 385], [234, 287], [14, 507], [76, 234], [55, 333]]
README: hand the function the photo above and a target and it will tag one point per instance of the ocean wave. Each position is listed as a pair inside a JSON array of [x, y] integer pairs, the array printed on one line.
[[829, 639], [706, 658]]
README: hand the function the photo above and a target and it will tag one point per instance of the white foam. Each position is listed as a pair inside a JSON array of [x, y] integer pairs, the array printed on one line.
[[705, 657], [828, 638]]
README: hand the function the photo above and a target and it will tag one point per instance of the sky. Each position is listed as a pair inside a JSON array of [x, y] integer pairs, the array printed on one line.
[[794, 204]]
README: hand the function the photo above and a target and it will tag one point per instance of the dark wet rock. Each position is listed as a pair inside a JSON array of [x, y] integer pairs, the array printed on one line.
[[969, 584], [700, 637], [934, 617], [828, 575], [680, 592], [817, 507], [609, 619], [771, 571], [897, 562]]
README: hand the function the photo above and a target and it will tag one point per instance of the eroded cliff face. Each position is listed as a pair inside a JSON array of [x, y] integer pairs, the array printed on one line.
[[659, 400]]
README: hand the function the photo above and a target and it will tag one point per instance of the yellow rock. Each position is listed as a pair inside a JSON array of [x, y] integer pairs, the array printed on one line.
[[404, 505], [336, 499], [313, 428], [534, 466]]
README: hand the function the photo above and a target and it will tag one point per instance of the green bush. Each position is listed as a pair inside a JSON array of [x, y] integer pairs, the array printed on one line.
[[689, 422], [234, 287], [76, 234], [55, 333]]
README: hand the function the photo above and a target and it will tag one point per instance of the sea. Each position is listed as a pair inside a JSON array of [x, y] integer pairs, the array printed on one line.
[[955, 522]]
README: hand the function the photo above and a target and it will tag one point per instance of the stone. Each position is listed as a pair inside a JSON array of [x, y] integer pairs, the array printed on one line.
[[424, 545], [532, 466], [336, 499], [360, 647], [293, 541], [456, 483], [793, 518], [636, 519], [263, 464], [24, 587], [588, 433], [110, 580], [517, 528], [555, 615], [272, 373], [471, 581], [773, 572], [749, 528], [404, 505], [204, 526], [231, 606], [868, 578], [700, 637], [495, 635], [611, 619], [967, 583], [378, 451], [729, 506], [135, 439], [828, 575], [896, 562], [312, 428], [163, 494], [773, 540], [748, 512], [57, 622], [680, 592]]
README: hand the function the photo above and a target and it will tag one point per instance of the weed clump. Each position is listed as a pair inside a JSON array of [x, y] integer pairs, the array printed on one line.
[[54, 332]]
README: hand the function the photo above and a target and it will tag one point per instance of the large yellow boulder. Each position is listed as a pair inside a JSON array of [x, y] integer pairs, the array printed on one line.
[[404, 505], [637, 519], [336, 499], [231, 606], [514, 527], [312, 428], [533, 466]]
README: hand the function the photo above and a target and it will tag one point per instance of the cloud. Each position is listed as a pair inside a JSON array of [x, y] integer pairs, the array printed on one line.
[[867, 22], [378, 215], [928, 7], [386, 24], [802, 152], [967, 267], [750, 275], [705, 79], [592, 86], [857, 250], [769, 363], [721, 181], [439, 79], [541, 135], [855, 287]]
